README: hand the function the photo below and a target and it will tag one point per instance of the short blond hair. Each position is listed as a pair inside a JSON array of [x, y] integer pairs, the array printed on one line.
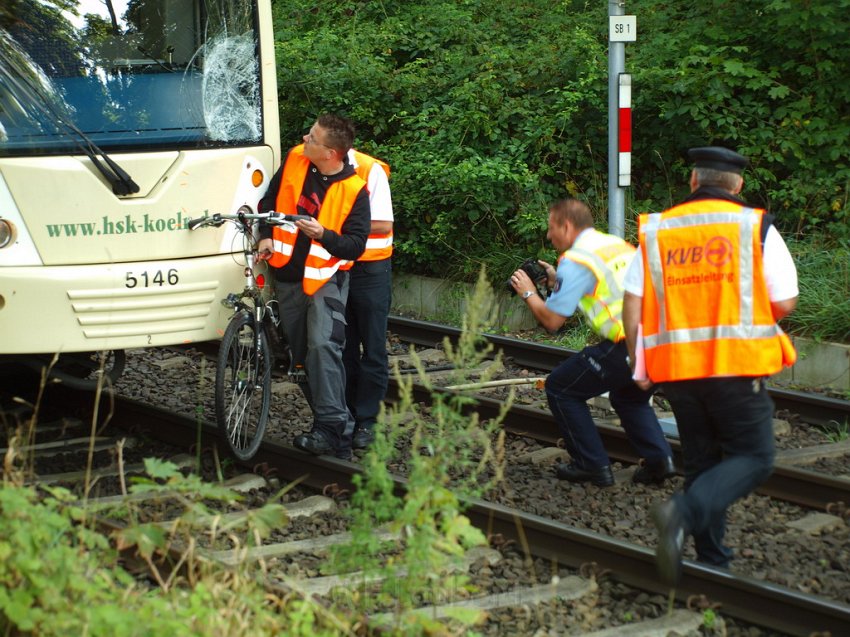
[[572, 210]]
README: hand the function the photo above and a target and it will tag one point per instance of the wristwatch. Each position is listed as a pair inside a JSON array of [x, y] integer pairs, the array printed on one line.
[[527, 294]]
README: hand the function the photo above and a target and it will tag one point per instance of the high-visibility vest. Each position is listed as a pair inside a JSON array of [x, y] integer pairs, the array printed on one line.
[[608, 258], [336, 206], [379, 246], [706, 310]]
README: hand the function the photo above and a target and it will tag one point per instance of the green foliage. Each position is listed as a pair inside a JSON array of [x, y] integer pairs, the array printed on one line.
[[488, 110], [575, 334], [58, 577], [836, 431], [485, 112], [765, 77], [709, 618], [451, 457]]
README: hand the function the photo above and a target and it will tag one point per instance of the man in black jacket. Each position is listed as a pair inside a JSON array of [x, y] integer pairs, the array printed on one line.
[[310, 261]]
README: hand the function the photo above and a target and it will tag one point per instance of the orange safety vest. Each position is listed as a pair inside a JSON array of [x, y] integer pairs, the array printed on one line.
[[320, 265], [706, 310], [378, 246]]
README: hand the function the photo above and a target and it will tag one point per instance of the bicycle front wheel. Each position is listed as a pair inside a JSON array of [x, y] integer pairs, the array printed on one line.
[[243, 385]]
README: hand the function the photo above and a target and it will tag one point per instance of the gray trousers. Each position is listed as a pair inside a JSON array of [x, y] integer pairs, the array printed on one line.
[[314, 327]]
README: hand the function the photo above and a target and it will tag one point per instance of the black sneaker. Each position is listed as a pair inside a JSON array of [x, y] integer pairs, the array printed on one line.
[[363, 437], [314, 443], [601, 477], [655, 472]]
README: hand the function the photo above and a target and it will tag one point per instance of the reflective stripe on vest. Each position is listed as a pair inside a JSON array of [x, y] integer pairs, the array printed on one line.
[[320, 264], [608, 258], [378, 246], [722, 323]]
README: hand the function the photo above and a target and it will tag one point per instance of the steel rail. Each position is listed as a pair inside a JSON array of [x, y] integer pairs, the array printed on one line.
[[791, 484], [760, 603], [813, 407]]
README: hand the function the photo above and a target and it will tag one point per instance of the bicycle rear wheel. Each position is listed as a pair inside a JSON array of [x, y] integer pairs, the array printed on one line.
[[243, 385]]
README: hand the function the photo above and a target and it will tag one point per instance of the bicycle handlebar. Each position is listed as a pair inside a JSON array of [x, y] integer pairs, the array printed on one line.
[[271, 217]]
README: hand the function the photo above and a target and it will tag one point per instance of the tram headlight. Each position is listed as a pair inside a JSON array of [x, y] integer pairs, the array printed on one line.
[[7, 233]]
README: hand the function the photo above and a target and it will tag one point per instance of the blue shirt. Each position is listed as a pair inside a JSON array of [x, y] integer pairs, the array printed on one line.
[[572, 281]]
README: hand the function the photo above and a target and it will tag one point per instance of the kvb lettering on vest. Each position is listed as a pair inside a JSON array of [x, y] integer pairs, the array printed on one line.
[[683, 256], [717, 252]]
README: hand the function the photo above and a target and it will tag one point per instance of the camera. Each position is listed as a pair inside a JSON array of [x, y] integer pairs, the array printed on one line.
[[534, 271]]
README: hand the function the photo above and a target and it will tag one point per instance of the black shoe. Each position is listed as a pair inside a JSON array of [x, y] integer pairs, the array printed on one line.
[[602, 477], [671, 541], [344, 454], [655, 472], [314, 443], [363, 437]]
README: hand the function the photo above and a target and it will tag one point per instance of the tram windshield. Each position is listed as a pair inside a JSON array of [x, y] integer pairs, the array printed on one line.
[[129, 75]]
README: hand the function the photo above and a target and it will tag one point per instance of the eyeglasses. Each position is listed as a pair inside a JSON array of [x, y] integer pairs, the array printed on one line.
[[312, 140]]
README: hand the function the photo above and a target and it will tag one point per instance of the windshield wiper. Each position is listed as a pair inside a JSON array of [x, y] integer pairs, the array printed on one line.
[[121, 182]]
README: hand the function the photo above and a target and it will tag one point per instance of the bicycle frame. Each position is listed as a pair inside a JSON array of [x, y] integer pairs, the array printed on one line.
[[243, 369], [258, 309]]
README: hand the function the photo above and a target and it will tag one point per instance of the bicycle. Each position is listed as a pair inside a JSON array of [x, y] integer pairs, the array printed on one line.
[[251, 340]]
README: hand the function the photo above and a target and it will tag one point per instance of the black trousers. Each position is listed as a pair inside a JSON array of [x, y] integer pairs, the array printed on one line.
[[365, 354], [726, 432]]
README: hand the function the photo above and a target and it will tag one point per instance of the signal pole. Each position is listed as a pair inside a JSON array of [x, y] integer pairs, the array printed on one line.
[[621, 29]]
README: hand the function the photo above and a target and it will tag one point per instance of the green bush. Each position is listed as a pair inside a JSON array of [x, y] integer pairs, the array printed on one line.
[[487, 111], [483, 118], [765, 77], [823, 308]]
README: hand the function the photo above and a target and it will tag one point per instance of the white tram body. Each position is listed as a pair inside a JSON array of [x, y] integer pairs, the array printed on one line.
[[181, 95]]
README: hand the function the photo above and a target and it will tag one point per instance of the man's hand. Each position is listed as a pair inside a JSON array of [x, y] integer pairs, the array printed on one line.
[[644, 384], [265, 249], [632, 307], [550, 273], [521, 283], [311, 228]]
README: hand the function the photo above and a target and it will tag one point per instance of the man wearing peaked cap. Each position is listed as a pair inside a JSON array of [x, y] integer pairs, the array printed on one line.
[[711, 279], [718, 158]]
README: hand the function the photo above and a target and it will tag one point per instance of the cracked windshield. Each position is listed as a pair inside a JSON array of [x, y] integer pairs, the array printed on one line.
[[128, 74]]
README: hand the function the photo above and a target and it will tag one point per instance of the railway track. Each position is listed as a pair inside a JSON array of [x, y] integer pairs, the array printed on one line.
[[278, 556], [793, 484], [814, 408], [764, 604], [784, 610]]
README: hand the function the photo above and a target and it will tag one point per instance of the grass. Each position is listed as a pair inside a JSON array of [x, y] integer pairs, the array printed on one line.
[[823, 308], [837, 431]]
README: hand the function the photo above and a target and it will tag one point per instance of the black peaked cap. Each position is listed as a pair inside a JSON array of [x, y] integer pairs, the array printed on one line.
[[718, 158]]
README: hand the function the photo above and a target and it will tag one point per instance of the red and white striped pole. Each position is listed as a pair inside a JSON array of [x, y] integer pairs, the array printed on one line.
[[624, 131]]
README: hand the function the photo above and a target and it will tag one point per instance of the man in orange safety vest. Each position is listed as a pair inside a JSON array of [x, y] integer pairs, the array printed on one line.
[[702, 300], [310, 261], [368, 308]]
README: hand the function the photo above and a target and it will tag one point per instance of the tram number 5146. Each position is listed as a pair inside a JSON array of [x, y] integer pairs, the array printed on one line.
[[151, 279]]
